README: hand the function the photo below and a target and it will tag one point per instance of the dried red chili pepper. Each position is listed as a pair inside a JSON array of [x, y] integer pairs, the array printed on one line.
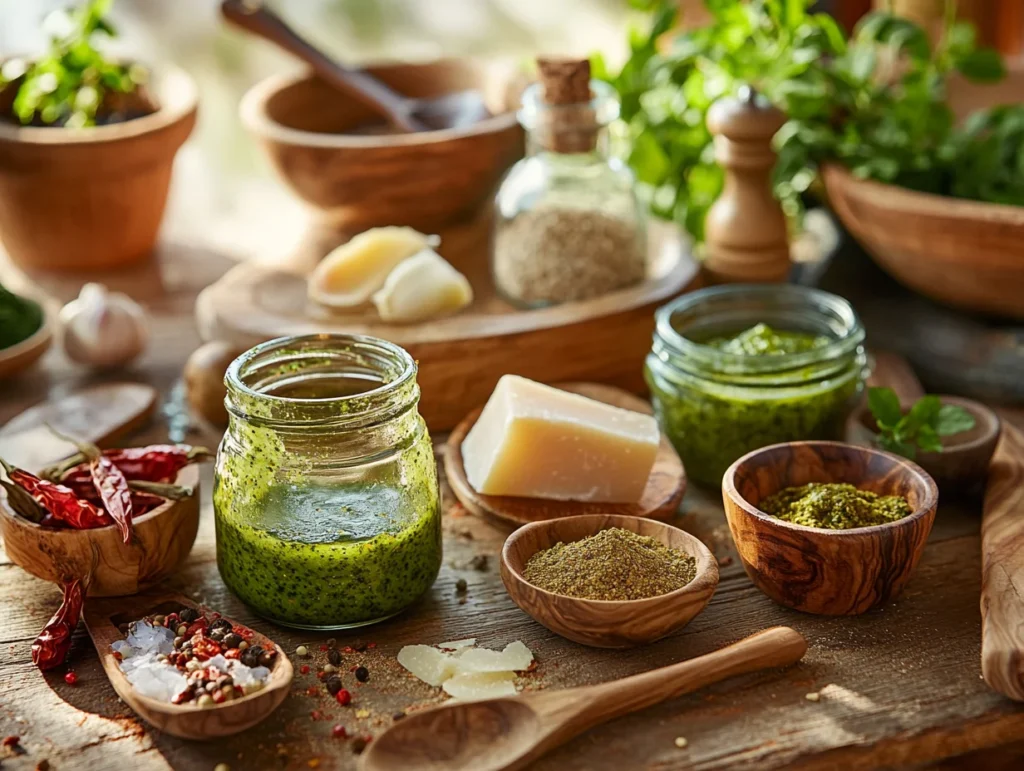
[[58, 501], [51, 647], [110, 483], [154, 463]]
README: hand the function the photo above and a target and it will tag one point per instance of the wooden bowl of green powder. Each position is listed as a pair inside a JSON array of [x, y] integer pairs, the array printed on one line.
[[826, 527], [24, 333], [607, 580]]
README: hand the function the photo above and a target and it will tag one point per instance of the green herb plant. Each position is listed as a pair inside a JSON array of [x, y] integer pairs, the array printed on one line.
[[68, 85], [874, 101], [921, 427]]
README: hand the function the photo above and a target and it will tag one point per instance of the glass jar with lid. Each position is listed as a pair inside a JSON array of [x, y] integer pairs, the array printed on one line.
[[568, 224], [735, 368], [326, 499]]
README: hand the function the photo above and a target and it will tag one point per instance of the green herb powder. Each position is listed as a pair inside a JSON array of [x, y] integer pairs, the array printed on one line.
[[614, 564], [834, 506]]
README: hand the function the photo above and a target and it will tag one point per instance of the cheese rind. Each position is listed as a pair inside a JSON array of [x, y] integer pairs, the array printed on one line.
[[535, 441]]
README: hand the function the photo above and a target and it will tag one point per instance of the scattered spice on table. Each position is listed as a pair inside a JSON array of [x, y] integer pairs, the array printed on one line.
[[614, 564], [681, 742], [834, 506]]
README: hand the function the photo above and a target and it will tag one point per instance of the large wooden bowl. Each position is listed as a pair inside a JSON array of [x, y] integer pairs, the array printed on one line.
[[603, 623], [424, 180], [162, 540], [966, 254], [829, 572]]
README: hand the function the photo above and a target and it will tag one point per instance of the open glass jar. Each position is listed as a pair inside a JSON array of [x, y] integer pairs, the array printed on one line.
[[716, 405], [325, 495]]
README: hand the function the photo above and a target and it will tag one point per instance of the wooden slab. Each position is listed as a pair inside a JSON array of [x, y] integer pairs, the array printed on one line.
[[99, 414], [661, 498], [102, 619], [461, 357], [1002, 569]]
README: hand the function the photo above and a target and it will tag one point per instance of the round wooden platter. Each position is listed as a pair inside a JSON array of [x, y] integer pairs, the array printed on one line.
[[664, 491], [462, 357]]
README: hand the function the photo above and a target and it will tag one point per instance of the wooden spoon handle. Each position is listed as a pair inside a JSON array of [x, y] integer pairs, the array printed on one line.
[[776, 647], [262, 22], [1002, 568]]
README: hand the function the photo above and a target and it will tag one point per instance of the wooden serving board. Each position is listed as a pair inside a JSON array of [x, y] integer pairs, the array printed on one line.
[[462, 357], [664, 491]]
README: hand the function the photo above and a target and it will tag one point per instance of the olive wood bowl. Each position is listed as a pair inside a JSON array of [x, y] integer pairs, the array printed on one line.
[[317, 138], [20, 356], [162, 540], [605, 623], [816, 570], [104, 619], [963, 463]]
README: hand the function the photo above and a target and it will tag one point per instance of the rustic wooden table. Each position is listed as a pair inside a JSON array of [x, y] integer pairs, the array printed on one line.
[[900, 687]]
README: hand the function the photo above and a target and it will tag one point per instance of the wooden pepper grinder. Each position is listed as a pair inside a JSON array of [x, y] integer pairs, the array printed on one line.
[[745, 233]]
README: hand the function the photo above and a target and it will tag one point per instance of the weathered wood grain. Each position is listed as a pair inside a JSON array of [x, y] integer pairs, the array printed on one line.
[[832, 572], [660, 500], [606, 624], [1002, 569], [102, 619]]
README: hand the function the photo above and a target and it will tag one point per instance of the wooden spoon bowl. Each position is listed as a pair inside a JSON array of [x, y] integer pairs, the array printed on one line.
[[829, 572], [162, 540], [604, 623], [103, 618], [963, 462]]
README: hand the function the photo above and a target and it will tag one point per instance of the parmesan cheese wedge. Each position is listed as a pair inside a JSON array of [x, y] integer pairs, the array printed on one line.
[[350, 274], [424, 286], [535, 441]]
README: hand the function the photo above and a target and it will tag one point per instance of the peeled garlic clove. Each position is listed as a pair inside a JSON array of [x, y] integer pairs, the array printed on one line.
[[422, 287], [103, 329], [350, 274]]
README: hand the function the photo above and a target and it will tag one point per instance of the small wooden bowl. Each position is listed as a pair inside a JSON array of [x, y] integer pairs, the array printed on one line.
[[829, 572], [963, 463], [20, 356], [163, 538], [603, 623], [360, 180], [187, 721]]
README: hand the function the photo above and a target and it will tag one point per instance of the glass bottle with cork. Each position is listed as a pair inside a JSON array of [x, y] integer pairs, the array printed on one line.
[[568, 224]]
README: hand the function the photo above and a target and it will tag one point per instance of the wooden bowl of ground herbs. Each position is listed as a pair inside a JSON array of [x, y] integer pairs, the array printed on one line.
[[826, 527], [606, 580]]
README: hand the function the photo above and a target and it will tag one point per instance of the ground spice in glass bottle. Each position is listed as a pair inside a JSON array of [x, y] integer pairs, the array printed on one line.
[[614, 564], [834, 506]]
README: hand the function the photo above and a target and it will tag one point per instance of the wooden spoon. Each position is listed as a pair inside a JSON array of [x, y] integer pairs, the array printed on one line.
[[509, 733], [457, 110], [188, 721]]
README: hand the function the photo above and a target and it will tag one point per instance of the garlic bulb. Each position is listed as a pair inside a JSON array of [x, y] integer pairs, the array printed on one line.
[[103, 329]]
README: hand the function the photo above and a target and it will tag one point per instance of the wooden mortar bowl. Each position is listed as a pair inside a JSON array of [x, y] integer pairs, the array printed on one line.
[[829, 572], [162, 540], [20, 356], [424, 180], [963, 463], [92, 198], [604, 623], [966, 254]]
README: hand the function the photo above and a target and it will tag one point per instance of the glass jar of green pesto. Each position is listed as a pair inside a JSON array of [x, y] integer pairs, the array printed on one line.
[[325, 494], [735, 368]]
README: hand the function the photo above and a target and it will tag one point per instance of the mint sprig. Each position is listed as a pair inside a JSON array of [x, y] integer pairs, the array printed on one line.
[[921, 427]]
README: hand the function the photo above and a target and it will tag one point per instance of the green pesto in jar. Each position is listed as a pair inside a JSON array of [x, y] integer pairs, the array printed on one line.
[[714, 417], [834, 506], [762, 340]]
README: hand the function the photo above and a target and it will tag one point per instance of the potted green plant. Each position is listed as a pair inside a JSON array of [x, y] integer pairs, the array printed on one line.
[[86, 148]]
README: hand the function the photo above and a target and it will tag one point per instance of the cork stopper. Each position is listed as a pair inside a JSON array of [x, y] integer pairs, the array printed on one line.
[[570, 125]]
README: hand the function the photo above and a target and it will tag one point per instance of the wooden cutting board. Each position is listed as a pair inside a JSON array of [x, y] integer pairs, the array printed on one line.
[[461, 357]]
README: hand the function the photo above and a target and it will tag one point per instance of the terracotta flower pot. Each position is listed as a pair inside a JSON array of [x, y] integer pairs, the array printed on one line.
[[92, 198]]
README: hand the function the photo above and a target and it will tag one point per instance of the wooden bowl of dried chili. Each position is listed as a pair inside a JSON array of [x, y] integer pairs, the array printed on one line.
[[65, 525]]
